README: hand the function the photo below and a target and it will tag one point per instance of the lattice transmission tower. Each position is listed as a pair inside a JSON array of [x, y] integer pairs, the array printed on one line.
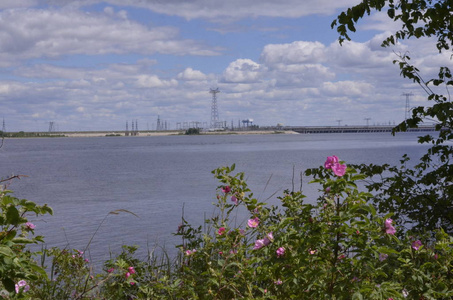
[[214, 108], [407, 109]]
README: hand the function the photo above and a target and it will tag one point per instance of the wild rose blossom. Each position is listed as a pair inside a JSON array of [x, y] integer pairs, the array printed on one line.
[[416, 245], [270, 237], [259, 244], [22, 283], [131, 270], [221, 230], [339, 169], [264, 242], [30, 225], [190, 252], [234, 200], [253, 222], [226, 189], [333, 163], [389, 229], [280, 252], [331, 160]]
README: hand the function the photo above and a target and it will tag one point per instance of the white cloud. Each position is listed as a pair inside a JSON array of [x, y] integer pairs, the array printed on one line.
[[242, 71], [347, 88], [34, 33], [152, 81], [294, 53], [215, 10], [190, 74]]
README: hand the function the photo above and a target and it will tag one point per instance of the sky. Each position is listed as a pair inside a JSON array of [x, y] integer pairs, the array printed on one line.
[[92, 65]]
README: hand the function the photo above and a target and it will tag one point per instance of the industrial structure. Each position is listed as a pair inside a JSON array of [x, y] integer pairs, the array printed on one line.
[[134, 129], [407, 109], [215, 123]]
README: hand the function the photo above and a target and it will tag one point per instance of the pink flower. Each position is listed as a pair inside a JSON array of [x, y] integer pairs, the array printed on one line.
[[312, 252], [190, 252], [259, 244], [389, 229], [132, 283], [234, 200], [131, 270], [339, 169], [226, 189], [331, 160], [253, 222], [263, 242], [416, 245], [280, 252], [382, 256], [30, 225], [278, 282], [221, 230], [270, 237], [110, 270], [128, 274], [20, 284]]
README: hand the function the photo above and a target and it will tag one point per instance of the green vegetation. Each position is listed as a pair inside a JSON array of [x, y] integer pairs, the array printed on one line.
[[422, 197], [338, 248], [192, 131], [22, 134]]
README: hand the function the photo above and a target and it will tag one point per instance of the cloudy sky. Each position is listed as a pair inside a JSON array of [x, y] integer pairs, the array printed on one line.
[[95, 65]]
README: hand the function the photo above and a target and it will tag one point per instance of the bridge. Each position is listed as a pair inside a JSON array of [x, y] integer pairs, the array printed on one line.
[[353, 129]]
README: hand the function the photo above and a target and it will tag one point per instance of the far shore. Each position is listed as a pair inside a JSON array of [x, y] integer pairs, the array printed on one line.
[[147, 133], [174, 132]]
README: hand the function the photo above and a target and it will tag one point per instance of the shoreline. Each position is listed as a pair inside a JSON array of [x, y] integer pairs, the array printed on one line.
[[145, 133]]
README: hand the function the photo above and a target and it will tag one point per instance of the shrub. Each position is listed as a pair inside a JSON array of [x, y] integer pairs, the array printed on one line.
[[336, 247], [18, 267]]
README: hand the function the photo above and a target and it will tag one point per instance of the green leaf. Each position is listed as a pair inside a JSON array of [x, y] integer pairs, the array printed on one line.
[[12, 216], [9, 284], [6, 251], [21, 240], [391, 13]]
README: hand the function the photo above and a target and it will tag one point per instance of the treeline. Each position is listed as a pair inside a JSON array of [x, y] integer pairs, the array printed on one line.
[[23, 134]]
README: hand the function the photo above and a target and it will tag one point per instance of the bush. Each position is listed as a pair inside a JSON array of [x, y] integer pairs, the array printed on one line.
[[192, 131], [336, 248], [18, 267]]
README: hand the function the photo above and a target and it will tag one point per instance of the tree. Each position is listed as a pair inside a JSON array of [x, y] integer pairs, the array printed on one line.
[[421, 197]]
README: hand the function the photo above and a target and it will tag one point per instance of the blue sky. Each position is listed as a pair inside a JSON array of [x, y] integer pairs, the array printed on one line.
[[95, 65]]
